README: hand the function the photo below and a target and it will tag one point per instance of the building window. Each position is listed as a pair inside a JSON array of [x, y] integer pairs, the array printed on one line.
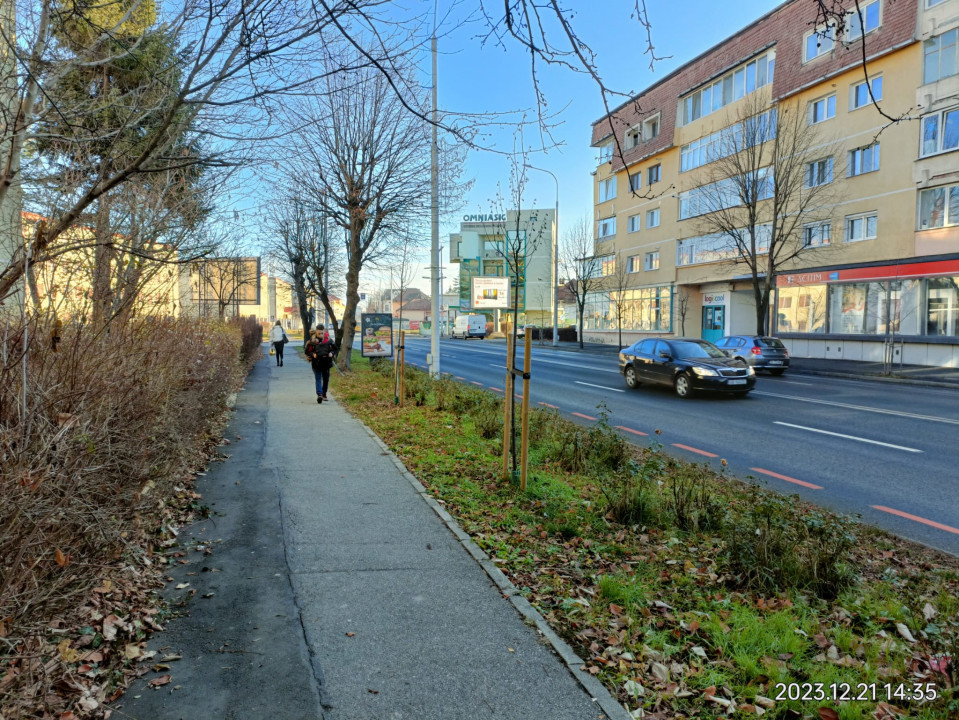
[[633, 136], [654, 174], [608, 266], [644, 309], [819, 172], [940, 56], [859, 94], [816, 234], [801, 309], [607, 189], [940, 132], [632, 264], [635, 181], [822, 109], [607, 227], [633, 223], [933, 3], [605, 153], [942, 306], [862, 160], [651, 128], [754, 74], [939, 207], [857, 26], [652, 260], [819, 42], [652, 218], [861, 227], [728, 141]]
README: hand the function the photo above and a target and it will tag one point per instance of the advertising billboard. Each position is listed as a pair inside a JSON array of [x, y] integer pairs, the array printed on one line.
[[377, 333], [489, 293]]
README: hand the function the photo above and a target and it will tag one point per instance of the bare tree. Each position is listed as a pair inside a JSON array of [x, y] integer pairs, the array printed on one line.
[[682, 308], [617, 284], [364, 162], [224, 281], [581, 266], [766, 198]]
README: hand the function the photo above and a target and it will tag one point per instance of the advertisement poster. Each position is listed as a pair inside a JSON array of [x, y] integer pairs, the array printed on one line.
[[377, 332], [489, 293]]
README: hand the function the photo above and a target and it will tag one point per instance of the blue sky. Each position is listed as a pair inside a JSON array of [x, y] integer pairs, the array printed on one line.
[[475, 79]]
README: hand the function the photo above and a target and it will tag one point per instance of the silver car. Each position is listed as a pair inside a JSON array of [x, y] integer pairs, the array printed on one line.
[[757, 351]]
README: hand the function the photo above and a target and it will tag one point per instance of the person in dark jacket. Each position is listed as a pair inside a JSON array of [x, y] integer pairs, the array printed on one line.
[[321, 351]]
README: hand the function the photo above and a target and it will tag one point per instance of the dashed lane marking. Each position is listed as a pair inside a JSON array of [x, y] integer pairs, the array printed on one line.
[[630, 430], [554, 407], [585, 417], [864, 408], [847, 437], [695, 450], [916, 518], [601, 387], [788, 479]]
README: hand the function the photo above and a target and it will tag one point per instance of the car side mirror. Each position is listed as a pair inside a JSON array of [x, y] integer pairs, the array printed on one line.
[[665, 356]]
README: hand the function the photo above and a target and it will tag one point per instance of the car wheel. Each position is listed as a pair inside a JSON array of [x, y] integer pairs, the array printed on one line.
[[631, 380], [777, 372], [683, 385]]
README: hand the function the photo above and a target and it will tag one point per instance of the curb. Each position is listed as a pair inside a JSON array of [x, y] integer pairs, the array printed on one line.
[[879, 378], [574, 664]]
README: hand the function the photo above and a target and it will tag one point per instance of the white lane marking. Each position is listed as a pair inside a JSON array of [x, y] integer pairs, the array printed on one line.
[[847, 437], [602, 387], [792, 382], [864, 408]]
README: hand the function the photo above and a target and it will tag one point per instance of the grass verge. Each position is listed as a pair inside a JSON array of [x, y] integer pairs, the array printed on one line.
[[688, 593]]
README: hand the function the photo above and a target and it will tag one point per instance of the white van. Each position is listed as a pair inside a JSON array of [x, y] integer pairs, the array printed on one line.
[[467, 326]]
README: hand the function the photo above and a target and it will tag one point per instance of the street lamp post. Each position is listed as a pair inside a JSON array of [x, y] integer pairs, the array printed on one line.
[[555, 257]]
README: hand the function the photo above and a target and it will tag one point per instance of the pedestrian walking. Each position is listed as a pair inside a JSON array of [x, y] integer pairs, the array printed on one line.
[[321, 351], [279, 339]]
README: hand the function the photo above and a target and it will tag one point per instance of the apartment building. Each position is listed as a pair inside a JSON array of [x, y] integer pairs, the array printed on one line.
[[870, 269], [519, 244]]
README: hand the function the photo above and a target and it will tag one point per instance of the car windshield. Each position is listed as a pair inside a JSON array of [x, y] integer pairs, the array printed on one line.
[[696, 350], [771, 342]]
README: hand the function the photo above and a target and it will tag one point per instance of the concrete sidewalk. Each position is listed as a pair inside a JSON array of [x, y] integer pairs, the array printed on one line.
[[343, 591]]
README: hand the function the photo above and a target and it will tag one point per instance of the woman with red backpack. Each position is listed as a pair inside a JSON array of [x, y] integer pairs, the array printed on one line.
[[321, 351]]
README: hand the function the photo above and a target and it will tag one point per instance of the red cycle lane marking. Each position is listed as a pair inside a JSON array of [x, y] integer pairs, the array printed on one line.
[[787, 478], [916, 518], [477, 383], [496, 388], [695, 450], [630, 430], [460, 378], [555, 407], [585, 417]]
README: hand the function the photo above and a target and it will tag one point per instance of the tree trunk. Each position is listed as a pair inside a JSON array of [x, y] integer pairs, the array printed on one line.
[[344, 340], [581, 309], [299, 286], [102, 265]]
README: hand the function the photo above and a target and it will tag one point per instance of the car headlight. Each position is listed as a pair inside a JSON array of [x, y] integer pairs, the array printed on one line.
[[750, 371], [703, 371]]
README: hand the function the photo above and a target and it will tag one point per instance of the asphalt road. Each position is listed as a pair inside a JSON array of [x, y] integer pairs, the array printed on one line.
[[882, 451]]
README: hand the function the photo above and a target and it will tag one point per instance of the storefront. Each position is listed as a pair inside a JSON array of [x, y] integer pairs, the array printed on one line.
[[835, 310]]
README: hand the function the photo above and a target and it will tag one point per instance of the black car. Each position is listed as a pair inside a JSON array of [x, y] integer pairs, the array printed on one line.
[[761, 352], [687, 364]]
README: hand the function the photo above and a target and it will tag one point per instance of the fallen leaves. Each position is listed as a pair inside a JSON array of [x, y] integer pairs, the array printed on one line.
[[160, 681]]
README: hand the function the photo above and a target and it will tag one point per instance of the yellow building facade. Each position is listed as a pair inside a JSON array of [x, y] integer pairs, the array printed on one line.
[[875, 269]]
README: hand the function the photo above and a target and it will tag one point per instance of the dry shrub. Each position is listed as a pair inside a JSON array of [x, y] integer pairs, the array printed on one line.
[[113, 423], [251, 333]]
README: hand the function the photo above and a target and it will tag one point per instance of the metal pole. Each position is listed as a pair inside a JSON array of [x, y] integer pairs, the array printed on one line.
[[555, 279], [435, 236]]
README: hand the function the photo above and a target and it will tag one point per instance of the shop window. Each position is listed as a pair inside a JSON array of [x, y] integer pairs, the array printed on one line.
[[855, 309], [942, 306], [801, 309]]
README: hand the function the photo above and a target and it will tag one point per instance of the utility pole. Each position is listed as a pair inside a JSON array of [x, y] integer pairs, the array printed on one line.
[[435, 233]]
